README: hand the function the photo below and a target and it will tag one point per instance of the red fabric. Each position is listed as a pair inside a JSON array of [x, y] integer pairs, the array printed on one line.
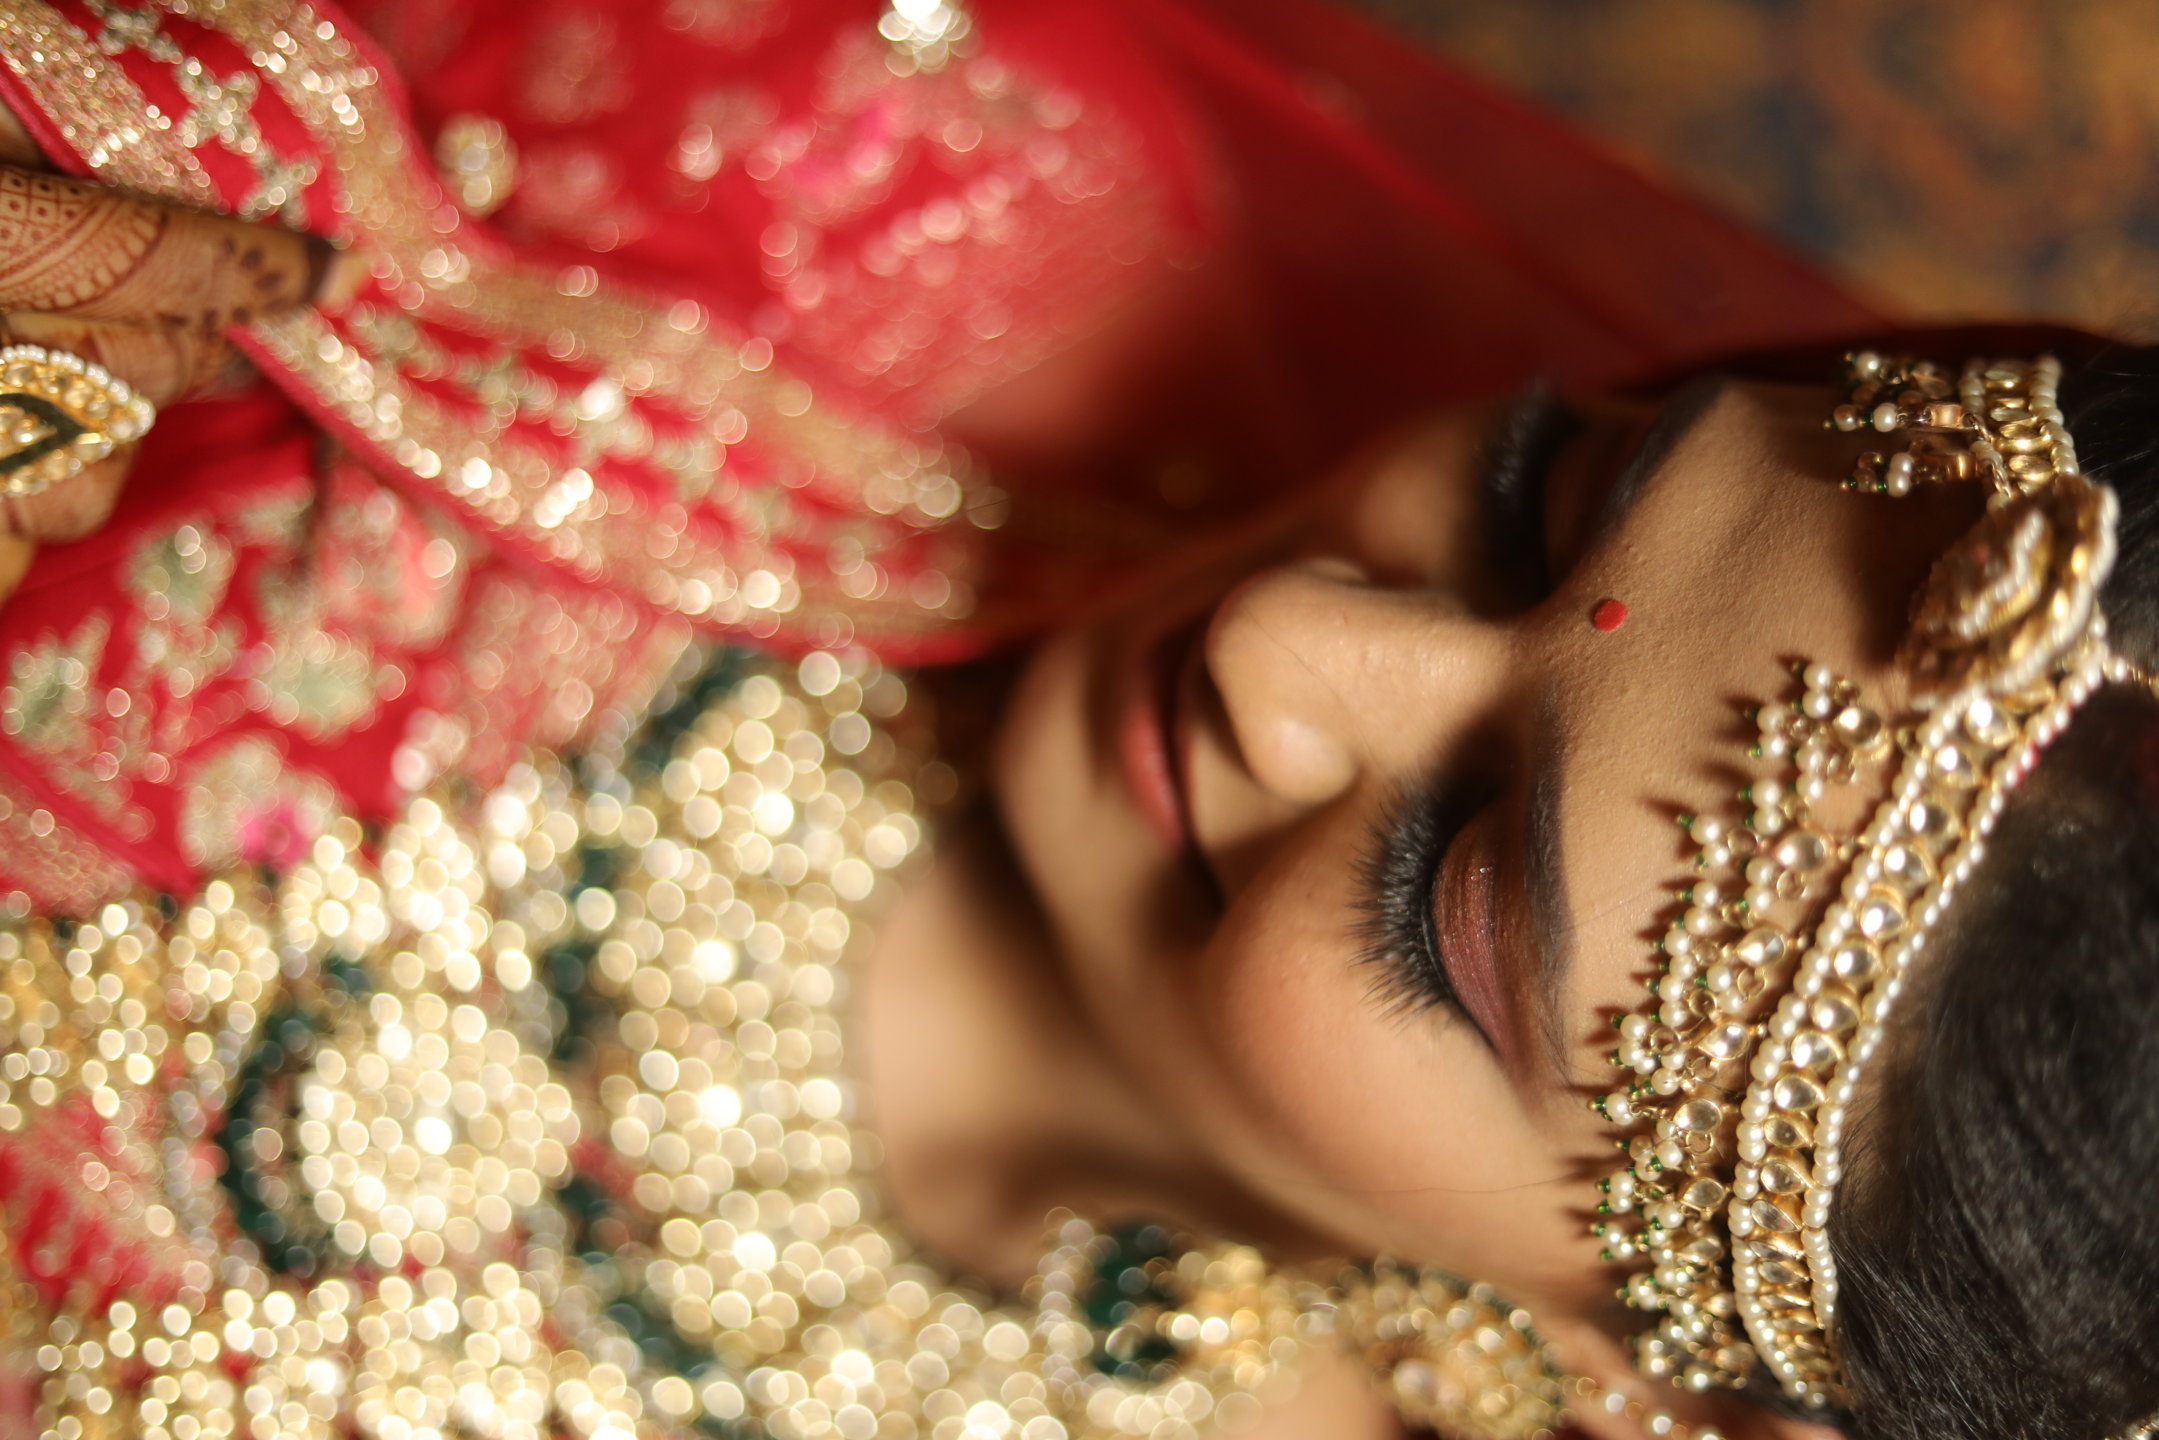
[[1358, 230]]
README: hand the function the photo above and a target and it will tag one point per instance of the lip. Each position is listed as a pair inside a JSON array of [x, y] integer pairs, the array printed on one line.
[[1149, 734], [1467, 915]]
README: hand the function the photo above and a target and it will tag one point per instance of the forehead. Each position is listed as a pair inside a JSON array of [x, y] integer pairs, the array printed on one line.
[[1739, 558]]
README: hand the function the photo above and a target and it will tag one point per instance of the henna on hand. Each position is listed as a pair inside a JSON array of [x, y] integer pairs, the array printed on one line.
[[16, 146], [163, 363], [145, 290], [68, 247]]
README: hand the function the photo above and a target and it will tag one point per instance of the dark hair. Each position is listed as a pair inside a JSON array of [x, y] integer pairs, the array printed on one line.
[[1998, 1247]]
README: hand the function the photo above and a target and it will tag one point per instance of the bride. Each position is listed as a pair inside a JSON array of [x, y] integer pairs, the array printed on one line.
[[474, 966]]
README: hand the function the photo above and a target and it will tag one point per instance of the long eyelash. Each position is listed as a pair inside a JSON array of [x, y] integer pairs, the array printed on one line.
[[1518, 454], [1395, 878]]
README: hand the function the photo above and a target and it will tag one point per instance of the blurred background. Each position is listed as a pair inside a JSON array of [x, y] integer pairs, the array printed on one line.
[[1950, 158]]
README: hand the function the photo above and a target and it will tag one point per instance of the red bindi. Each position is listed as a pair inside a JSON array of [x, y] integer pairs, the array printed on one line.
[[1608, 616]]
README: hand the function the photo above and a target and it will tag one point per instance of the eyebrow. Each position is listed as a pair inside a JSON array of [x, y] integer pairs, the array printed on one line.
[[1552, 926], [1678, 417]]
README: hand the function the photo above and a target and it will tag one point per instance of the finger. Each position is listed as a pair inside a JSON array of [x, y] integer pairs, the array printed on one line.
[[71, 248], [16, 554], [77, 506], [16, 146], [162, 364]]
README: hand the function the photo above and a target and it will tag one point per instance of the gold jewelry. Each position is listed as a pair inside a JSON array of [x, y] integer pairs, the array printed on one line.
[[1726, 1196], [58, 413]]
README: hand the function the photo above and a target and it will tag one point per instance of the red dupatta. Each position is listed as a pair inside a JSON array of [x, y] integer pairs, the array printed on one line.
[[708, 366]]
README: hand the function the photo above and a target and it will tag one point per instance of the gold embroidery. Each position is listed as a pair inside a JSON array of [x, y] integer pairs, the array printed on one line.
[[1046, 193], [48, 693], [60, 869], [183, 644], [321, 684], [478, 162], [218, 109], [52, 708], [837, 517], [130, 27], [101, 114], [246, 803], [181, 576], [671, 354], [385, 567], [280, 189], [553, 660], [331, 599], [128, 139], [223, 110], [743, 570]]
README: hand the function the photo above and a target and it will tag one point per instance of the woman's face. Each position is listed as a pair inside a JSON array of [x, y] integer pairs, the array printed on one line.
[[1353, 850]]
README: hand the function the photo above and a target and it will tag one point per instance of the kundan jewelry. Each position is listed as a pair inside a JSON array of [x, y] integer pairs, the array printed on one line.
[[58, 413], [1778, 977]]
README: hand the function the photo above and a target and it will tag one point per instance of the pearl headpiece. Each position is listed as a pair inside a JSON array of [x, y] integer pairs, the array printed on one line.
[[1739, 1074]]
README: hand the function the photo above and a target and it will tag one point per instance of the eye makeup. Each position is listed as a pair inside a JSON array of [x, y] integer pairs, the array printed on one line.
[[1399, 923]]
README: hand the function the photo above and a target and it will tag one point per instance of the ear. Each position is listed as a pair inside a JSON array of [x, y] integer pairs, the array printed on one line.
[[1587, 1351]]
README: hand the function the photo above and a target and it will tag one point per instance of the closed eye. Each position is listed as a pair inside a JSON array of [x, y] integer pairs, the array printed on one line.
[[1400, 939]]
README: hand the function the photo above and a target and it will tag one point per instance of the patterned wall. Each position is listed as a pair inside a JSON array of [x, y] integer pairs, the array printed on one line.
[[1960, 158]]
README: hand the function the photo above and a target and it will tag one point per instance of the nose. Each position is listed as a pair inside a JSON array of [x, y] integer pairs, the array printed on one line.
[[1326, 677]]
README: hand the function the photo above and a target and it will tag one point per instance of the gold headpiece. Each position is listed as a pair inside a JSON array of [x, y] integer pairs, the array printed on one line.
[[1740, 1072]]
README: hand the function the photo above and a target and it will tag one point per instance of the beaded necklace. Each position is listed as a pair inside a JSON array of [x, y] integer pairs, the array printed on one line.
[[531, 1117]]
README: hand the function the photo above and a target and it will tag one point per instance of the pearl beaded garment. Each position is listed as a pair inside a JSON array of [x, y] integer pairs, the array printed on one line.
[[1738, 1076]]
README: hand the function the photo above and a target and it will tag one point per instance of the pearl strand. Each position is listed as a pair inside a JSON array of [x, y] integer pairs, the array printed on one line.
[[1590, 1396]]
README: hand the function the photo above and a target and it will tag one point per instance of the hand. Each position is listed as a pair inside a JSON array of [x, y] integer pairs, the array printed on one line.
[[145, 289]]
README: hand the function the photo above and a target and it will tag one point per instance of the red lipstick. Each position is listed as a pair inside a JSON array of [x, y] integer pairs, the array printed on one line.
[[1147, 737]]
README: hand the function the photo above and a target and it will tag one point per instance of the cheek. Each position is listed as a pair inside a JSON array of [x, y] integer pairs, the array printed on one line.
[[1396, 1131]]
